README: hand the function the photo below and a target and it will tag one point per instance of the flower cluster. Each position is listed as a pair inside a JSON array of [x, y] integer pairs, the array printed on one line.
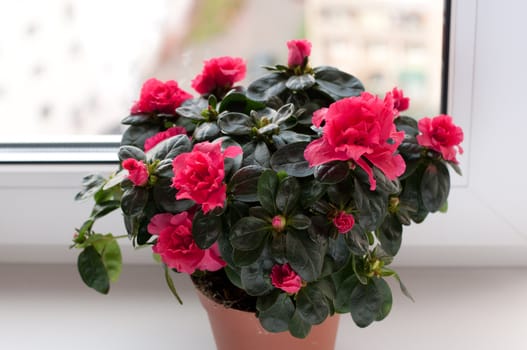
[[293, 191]]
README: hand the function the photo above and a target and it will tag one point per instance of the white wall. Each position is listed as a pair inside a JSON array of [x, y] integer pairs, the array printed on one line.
[[478, 301], [47, 307]]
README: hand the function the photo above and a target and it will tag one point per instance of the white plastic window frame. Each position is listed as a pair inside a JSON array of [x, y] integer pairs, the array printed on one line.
[[38, 214]]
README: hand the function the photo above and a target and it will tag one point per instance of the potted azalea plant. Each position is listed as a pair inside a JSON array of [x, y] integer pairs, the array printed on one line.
[[285, 199]]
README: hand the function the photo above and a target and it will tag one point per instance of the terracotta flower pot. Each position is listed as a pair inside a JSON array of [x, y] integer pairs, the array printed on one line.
[[239, 330]]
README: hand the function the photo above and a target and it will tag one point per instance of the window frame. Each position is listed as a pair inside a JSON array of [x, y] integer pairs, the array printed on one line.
[[39, 213]]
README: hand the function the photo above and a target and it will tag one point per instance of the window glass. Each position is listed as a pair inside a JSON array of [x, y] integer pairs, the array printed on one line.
[[71, 67]]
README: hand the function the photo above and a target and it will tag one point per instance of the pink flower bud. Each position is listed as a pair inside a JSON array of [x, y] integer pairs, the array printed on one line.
[[343, 222], [298, 50], [285, 278], [137, 171], [278, 223]]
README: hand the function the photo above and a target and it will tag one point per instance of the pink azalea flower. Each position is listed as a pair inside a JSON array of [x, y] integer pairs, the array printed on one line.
[[400, 102], [359, 129], [298, 50], [159, 97], [137, 171], [219, 73], [441, 135], [278, 223], [177, 248], [343, 222], [163, 135], [285, 278], [199, 175]]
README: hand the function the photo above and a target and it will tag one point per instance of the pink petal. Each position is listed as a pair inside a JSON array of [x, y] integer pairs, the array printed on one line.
[[367, 168], [158, 223], [319, 116], [232, 152], [320, 152]]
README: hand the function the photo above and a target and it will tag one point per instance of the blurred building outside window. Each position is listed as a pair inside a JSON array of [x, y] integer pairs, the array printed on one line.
[[73, 68]]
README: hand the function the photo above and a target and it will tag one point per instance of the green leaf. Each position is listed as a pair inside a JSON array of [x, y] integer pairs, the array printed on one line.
[[444, 207], [134, 200], [410, 203], [456, 168], [236, 211], [206, 131], [164, 168], [247, 257], [287, 195], [92, 270], [206, 229], [233, 123], [136, 135], [267, 187], [357, 240], [191, 109], [312, 191], [366, 303], [299, 222], [269, 129], [276, 318], [165, 197], [255, 282], [298, 327], [265, 302], [283, 115], [170, 148], [300, 82], [404, 289], [212, 101], [435, 186], [267, 86], [312, 305], [243, 185], [358, 263], [108, 249], [327, 287], [339, 252], [288, 137], [126, 152], [136, 119], [305, 255], [256, 153], [238, 102], [336, 83], [408, 125], [290, 159], [384, 184], [170, 284], [143, 236], [233, 276], [191, 113], [332, 172], [277, 247], [91, 183], [390, 235], [320, 225], [249, 232], [102, 209], [386, 295], [115, 179], [226, 249], [372, 207], [260, 213], [343, 297]]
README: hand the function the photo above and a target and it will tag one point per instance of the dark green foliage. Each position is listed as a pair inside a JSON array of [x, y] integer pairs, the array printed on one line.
[[277, 209]]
